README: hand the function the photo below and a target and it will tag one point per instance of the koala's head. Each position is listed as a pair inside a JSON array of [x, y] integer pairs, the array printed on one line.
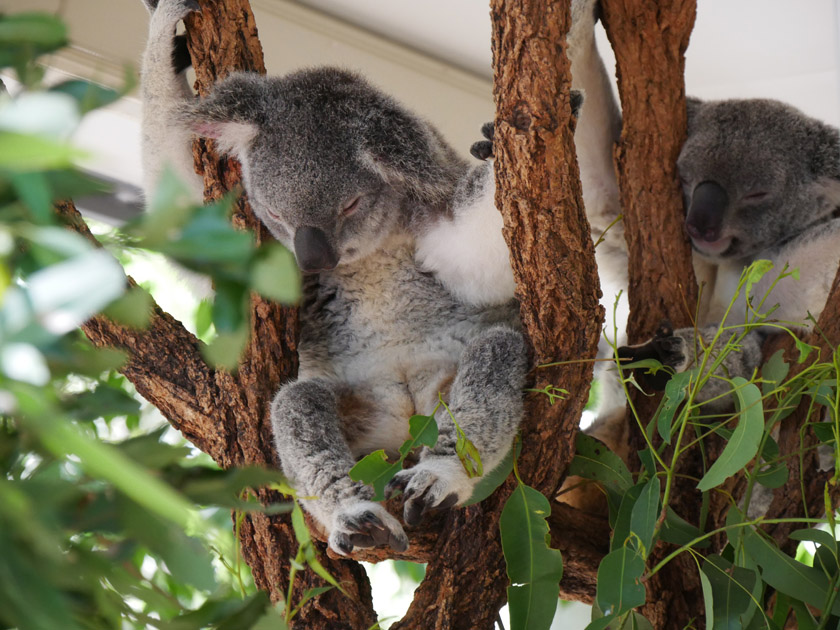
[[754, 173], [331, 165]]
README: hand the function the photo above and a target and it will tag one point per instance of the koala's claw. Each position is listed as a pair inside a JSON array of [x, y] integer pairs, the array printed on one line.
[[666, 347], [366, 524], [431, 485], [482, 150]]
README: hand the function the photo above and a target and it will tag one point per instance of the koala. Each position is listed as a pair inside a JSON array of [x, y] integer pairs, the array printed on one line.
[[761, 181], [363, 192]]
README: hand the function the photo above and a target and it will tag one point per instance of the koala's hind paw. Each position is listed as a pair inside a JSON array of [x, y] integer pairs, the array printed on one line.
[[669, 349], [365, 524], [435, 483]]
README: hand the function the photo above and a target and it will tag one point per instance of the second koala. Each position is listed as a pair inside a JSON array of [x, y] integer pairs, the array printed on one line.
[[352, 182]]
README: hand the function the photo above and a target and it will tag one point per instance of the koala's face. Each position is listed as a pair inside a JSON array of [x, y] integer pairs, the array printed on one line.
[[311, 181], [748, 170], [317, 197], [331, 165]]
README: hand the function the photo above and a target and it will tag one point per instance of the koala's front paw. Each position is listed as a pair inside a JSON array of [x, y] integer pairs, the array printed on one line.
[[483, 150], [436, 483], [669, 349], [365, 524]]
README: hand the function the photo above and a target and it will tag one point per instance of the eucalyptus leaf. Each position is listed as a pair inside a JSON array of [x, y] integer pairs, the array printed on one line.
[[742, 447], [785, 574], [732, 589], [534, 568], [644, 515], [620, 588]]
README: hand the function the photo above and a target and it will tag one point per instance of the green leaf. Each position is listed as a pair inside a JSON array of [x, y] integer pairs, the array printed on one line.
[[225, 349], [375, 469], [754, 273], [774, 476], [620, 588], [595, 461], [45, 32], [275, 274], [103, 402], [534, 569], [675, 392], [88, 95], [645, 514], [803, 348], [732, 589], [621, 528], [493, 479], [774, 371], [824, 431], [21, 152], [743, 445], [134, 309], [230, 306], [785, 574], [677, 531]]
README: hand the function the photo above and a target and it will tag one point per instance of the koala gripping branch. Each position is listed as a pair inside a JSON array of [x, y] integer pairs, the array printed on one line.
[[227, 415]]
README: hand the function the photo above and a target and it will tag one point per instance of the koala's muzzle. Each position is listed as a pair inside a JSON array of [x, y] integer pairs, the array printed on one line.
[[704, 221], [313, 251]]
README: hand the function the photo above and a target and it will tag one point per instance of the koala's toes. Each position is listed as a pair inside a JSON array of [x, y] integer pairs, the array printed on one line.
[[366, 524], [483, 150], [435, 484], [488, 129]]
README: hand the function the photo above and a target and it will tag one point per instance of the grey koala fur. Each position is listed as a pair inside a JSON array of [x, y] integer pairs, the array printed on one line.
[[761, 180], [355, 186]]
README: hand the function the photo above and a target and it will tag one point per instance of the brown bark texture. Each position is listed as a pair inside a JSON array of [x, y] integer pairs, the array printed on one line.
[[649, 40], [226, 415]]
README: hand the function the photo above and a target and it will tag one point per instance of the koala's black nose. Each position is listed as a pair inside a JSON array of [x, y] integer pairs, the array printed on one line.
[[704, 220], [313, 251]]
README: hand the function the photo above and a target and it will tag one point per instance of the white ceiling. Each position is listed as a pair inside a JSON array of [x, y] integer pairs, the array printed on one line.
[[435, 56]]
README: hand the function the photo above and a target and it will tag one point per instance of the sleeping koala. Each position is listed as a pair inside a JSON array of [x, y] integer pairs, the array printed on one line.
[[761, 181], [356, 186]]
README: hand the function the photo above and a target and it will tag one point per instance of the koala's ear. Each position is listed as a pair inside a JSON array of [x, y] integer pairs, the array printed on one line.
[[824, 160], [692, 107], [230, 114], [408, 152]]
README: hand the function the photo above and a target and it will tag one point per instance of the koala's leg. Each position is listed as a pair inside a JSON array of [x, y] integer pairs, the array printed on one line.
[[683, 349], [166, 140], [316, 458], [486, 400]]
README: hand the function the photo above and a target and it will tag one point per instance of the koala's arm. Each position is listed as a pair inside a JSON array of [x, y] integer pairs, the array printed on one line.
[[683, 349], [315, 456], [166, 138], [467, 251], [599, 124], [486, 402]]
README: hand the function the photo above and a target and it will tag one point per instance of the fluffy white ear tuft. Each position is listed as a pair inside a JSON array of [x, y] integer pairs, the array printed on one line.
[[232, 137]]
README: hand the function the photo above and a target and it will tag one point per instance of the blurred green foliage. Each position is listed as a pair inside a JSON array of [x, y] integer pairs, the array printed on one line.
[[108, 519]]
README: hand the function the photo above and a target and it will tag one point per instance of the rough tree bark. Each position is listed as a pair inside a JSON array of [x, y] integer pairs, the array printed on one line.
[[649, 40], [539, 195], [226, 415]]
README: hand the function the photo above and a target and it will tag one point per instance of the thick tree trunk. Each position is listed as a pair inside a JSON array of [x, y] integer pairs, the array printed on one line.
[[649, 40]]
